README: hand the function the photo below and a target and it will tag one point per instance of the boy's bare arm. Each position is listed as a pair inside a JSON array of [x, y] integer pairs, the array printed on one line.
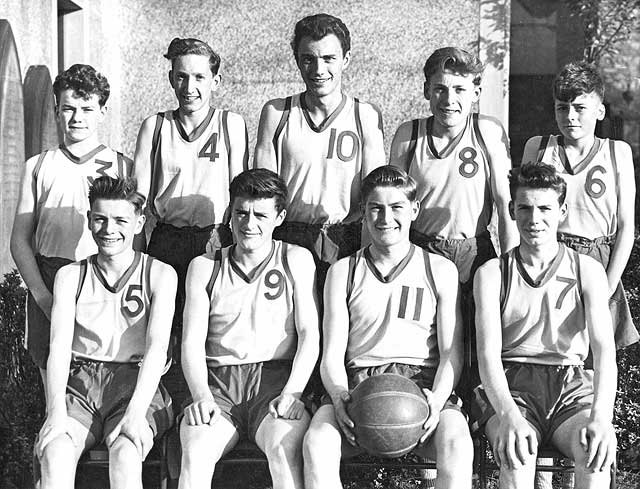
[[398, 155], [21, 244], [238, 141], [497, 144], [265, 155], [626, 215], [142, 157], [303, 272]]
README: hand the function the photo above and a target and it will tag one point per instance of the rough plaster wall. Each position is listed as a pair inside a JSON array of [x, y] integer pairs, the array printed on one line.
[[390, 41]]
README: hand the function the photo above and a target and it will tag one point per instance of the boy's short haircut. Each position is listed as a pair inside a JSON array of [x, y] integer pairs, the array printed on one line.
[[575, 79], [539, 176], [121, 188], [454, 60], [181, 47], [319, 26], [388, 176], [259, 183], [85, 81]]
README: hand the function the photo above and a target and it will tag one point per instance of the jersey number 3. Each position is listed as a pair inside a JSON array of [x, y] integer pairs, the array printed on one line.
[[209, 148]]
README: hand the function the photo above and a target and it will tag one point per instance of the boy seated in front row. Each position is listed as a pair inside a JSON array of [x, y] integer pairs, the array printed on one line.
[[391, 307], [539, 307], [110, 320], [250, 340], [600, 184]]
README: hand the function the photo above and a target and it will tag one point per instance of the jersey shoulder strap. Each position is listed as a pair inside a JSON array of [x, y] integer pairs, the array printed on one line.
[[283, 120], [351, 274], [413, 142], [542, 147], [217, 261], [480, 138], [81, 277], [505, 279], [429, 271], [155, 144], [36, 169], [614, 163]]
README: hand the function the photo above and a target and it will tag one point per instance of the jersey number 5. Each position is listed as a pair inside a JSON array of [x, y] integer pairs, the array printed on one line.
[[209, 148], [133, 299]]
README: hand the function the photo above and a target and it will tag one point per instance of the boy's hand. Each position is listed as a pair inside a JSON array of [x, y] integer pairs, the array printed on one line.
[[433, 419], [516, 441], [54, 426], [342, 417], [287, 406], [598, 439], [136, 429], [202, 411]]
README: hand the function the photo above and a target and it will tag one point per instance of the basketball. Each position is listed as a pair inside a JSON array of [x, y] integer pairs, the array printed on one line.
[[388, 412]]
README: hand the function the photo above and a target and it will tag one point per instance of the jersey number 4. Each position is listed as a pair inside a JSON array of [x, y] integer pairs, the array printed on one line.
[[209, 148]]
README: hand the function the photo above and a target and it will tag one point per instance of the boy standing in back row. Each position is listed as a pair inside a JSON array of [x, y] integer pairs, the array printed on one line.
[[600, 184], [50, 227], [322, 143]]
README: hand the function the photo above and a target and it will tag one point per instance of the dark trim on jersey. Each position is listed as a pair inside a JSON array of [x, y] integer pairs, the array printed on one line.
[[283, 120], [451, 145], [125, 165], [542, 147], [257, 271], [217, 261], [328, 120], [119, 284], [582, 164], [245, 158], [483, 146], [576, 257], [614, 163], [413, 142], [395, 271], [546, 275], [505, 281], [79, 160], [429, 271], [285, 260], [155, 145], [356, 113], [197, 132], [379, 112], [36, 169], [225, 129], [81, 277], [147, 277], [351, 275]]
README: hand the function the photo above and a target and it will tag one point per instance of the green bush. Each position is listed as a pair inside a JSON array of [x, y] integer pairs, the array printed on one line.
[[21, 393]]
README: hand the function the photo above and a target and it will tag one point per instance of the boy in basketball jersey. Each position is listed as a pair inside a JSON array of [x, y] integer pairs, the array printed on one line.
[[391, 307], [539, 308], [600, 184], [322, 142], [110, 321], [50, 227], [250, 340], [184, 161]]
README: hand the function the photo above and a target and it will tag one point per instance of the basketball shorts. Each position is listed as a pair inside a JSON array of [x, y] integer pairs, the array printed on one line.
[[326, 242], [625, 332], [546, 395], [98, 394], [177, 246], [243, 392], [38, 327], [422, 376]]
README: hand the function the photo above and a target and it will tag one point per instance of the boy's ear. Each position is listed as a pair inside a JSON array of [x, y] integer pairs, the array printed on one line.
[[170, 74], [426, 91], [512, 211], [602, 111]]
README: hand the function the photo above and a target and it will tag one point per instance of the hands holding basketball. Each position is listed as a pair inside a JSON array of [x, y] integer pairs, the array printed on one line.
[[342, 417]]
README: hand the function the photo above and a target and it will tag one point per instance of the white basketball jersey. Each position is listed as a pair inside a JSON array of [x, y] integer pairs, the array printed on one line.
[[321, 165], [251, 318], [543, 321], [393, 318], [592, 187], [190, 173], [62, 183], [454, 187], [111, 319]]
